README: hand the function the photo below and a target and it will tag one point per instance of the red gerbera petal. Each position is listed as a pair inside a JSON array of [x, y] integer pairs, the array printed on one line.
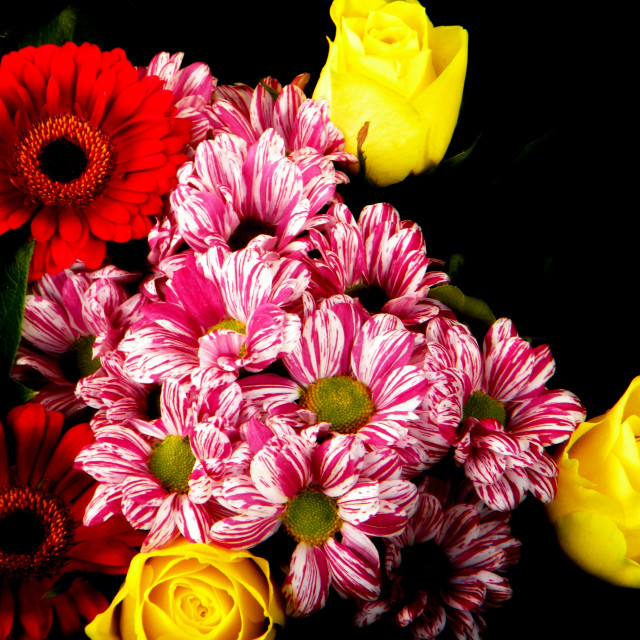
[[74, 119], [42, 498]]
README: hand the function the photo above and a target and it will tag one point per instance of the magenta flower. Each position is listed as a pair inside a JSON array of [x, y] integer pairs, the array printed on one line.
[[350, 373], [330, 498], [494, 408], [116, 397], [223, 313], [161, 474], [239, 195], [446, 567], [303, 123], [71, 321], [379, 260]]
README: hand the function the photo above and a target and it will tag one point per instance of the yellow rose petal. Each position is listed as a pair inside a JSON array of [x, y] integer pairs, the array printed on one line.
[[439, 103], [597, 545], [390, 67], [360, 8], [396, 133], [188, 590], [576, 493]]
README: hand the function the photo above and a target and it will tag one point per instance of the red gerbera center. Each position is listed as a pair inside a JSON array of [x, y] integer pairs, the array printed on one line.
[[63, 160], [36, 531]]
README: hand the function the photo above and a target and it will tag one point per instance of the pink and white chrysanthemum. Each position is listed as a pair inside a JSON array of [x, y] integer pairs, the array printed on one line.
[[351, 373], [71, 321], [379, 260], [331, 498], [115, 396], [303, 123], [192, 89], [241, 195], [161, 474], [223, 313], [494, 408], [446, 567]]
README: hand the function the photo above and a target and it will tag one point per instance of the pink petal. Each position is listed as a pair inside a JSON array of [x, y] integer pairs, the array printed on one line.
[[360, 502], [243, 532], [307, 586], [351, 575], [337, 463], [282, 467], [193, 521], [319, 353], [240, 494]]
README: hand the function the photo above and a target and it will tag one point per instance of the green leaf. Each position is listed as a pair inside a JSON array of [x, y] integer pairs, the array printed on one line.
[[16, 393], [14, 274], [471, 308], [60, 30], [457, 160], [270, 90]]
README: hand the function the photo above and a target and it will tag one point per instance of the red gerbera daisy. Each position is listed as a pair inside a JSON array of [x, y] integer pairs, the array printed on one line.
[[42, 539], [86, 150]]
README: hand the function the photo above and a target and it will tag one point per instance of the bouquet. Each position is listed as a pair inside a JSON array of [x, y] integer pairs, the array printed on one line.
[[243, 398]]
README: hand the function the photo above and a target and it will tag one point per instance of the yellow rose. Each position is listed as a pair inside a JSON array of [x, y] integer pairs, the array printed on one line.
[[189, 590], [596, 512], [390, 67]]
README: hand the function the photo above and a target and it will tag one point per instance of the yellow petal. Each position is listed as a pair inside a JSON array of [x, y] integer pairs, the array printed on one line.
[[188, 589], [396, 133], [105, 626], [356, 8], [576, 493], [439, 104], [598, 546]]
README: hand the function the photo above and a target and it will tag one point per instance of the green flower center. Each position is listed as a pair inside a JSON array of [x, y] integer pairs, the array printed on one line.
[[172, 462], [481, 406], [231, 325], [371, 296], [311, 516], [344, 402], [78, 361]]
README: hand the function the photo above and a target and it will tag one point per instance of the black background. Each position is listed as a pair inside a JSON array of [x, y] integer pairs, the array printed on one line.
[[548, 239]]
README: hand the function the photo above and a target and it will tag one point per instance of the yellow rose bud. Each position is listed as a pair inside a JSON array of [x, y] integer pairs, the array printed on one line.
[[189, 590], [596, 512], [390, 67]]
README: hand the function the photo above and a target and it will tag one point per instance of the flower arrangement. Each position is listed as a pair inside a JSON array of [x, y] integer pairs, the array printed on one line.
[[244, 401]]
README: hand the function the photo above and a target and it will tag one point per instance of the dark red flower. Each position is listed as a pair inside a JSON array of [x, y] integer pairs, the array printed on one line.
[[86, 150], [42, 539]]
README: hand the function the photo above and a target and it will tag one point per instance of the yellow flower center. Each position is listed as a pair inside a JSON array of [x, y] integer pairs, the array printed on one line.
[[341, 400], [62, 160], [36, 531], [172, 462], [311, 516], [481, 406]]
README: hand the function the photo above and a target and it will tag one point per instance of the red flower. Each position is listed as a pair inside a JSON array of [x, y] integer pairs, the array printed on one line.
[[42, 502], [86, 150]]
